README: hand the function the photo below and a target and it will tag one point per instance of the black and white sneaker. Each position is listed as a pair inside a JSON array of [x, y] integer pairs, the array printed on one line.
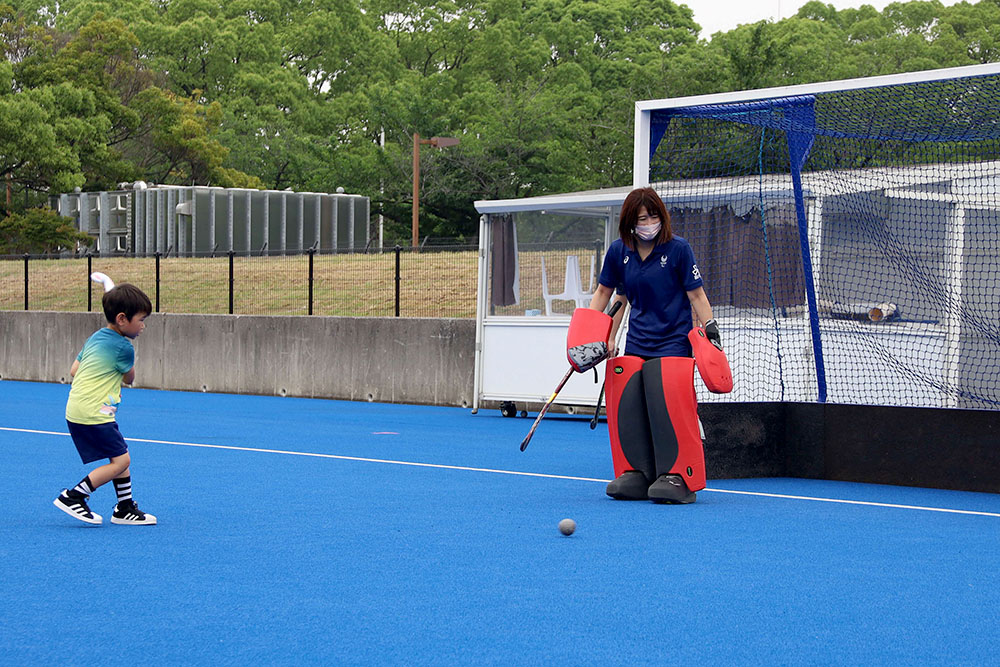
[[76, 507], [127, 514]]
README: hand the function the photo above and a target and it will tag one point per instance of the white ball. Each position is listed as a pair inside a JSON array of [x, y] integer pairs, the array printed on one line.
[[567, 526]]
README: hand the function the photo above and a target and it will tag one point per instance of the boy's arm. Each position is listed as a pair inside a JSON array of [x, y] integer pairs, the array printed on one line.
[[126, 359], [74, 368]]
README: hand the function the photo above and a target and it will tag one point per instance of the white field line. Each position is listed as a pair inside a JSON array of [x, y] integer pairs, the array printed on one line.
[[855, 502], [330, 456], [518, 473]]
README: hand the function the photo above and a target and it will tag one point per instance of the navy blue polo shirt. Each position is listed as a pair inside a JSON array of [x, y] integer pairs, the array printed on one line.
[[657, 291]]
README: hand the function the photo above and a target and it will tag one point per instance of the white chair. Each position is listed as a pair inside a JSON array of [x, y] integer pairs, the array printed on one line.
[[547, 296], [572, 285], [582, 297]]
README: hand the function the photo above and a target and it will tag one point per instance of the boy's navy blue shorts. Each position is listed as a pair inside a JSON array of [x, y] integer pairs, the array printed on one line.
[[97, 441]]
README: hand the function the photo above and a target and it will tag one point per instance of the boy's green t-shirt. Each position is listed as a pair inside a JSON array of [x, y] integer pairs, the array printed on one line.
[[97, 385]]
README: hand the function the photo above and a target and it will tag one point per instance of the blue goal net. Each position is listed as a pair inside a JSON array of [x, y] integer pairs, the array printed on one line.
[[849, 238]]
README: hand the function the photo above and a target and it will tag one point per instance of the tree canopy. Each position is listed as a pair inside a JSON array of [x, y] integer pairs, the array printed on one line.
[[319, 94]]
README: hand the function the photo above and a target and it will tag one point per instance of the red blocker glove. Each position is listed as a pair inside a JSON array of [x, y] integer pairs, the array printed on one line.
[[587, 340]]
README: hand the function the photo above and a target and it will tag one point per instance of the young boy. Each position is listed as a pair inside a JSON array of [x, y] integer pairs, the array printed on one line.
[[106, 361]]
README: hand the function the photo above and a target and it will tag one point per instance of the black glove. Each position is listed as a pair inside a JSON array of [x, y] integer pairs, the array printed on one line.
[[712, 333]]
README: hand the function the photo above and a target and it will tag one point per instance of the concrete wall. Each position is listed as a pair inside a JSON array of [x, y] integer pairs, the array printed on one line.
[[392, 360]]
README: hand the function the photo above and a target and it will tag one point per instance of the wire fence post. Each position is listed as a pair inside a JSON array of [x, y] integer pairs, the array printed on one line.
[[597, 261], [312, 251], [398, 250], [157, 281], [231, 255], [26, 281], [90, 292]]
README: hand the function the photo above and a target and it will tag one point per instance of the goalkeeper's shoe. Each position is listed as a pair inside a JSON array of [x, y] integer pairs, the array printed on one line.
[[670, 489], [76, 506], [127, 514], [630, 485]]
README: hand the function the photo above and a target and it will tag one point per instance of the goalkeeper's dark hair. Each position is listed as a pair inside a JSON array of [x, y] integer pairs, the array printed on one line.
[[628, 218], [125, 298]]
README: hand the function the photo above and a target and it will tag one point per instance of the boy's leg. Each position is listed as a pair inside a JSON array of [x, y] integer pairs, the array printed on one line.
[[93, 442], [115, 467], [84, 488], [123, 486], [74, 501], [126, 512]]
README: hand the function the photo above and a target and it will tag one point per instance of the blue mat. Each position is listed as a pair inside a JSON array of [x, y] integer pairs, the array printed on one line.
[[306, 531]]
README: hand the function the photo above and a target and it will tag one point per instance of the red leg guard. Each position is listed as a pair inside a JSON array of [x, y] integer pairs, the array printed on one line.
[[673, 419], [628, 425]]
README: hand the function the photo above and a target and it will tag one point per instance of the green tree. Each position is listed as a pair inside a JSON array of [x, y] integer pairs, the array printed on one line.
[[974, 28], [910, 36], [38, 230], [541, 93], [179, 145], [83, 109], [320, 94], [46, 127]]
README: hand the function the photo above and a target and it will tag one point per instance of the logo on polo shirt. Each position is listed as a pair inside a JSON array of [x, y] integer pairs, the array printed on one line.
[[626, 260], [663, 261], [695, 272]]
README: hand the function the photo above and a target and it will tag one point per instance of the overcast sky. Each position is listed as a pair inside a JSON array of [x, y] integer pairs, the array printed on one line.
[[721, 15]]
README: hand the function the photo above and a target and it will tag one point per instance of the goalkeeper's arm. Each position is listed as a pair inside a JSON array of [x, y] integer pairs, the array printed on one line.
[[703, 315]]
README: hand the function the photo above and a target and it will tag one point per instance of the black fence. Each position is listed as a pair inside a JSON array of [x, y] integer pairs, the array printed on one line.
[[433, 281]]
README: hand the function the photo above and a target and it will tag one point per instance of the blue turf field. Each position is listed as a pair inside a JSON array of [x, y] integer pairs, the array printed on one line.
[[291, 559]]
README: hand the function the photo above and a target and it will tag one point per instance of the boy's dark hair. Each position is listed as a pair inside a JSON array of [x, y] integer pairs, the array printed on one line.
[[629, 215], [125, 298]]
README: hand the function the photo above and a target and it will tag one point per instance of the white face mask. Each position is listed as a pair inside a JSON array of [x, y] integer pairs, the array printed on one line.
[[647, 232]]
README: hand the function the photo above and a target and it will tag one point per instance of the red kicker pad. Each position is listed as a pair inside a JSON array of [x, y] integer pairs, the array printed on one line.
[[587, 339], [673, 419], [628, 425]]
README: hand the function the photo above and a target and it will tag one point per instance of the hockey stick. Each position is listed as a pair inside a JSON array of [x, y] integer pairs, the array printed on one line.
[[562, 383], [597, 410], [600, 396], [545, 408]]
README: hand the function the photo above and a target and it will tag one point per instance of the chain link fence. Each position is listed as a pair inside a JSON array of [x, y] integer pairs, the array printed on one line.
[[434, 281]]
